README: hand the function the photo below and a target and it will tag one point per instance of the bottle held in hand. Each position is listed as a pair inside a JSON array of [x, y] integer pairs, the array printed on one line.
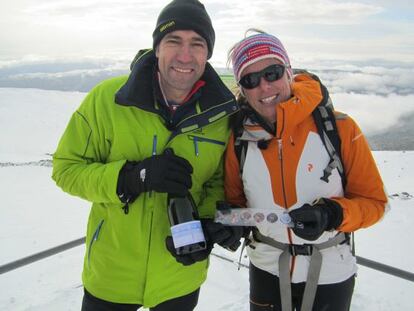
[[186, 229]]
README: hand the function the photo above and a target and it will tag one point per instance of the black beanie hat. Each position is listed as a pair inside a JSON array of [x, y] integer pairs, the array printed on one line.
[[185, 15]]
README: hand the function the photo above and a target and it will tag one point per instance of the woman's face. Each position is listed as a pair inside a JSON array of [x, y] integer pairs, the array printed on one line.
[[264, 98]]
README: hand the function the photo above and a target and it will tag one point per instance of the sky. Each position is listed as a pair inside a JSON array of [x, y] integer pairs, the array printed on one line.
[[36, 215], [321, 30]]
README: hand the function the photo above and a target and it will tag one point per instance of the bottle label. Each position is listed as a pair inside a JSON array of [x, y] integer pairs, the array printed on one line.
[[187, 233]]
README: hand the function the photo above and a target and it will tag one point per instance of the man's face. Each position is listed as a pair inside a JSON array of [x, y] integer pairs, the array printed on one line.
[[267, 95], [182, 57]]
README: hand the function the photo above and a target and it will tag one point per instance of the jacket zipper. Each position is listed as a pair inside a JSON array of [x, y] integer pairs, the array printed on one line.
[[153, 153], [94, 238], [148, 247], [280, 149], [150, 194], [197, 139]]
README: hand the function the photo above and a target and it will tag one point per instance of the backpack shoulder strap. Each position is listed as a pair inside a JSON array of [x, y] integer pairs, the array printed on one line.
[[240, 149], [325, 121], [240, 145]]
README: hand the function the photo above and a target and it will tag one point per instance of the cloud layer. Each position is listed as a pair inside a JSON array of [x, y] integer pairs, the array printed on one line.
[[356, 29], [369, 77]]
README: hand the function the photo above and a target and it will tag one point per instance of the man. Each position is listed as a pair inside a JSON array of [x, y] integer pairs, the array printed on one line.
[[304, 261], [137, 141]]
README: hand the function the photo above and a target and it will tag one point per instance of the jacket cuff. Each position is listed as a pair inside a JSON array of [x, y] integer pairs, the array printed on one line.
[[129, 185], [335, 214]]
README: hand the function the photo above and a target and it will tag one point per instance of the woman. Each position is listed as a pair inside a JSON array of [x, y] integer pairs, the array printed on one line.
[[304, 261]]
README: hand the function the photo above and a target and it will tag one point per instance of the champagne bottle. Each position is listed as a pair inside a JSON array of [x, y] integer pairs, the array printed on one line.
[[186, 227]]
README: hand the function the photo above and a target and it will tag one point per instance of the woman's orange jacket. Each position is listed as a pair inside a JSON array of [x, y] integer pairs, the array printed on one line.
[[287, 174]]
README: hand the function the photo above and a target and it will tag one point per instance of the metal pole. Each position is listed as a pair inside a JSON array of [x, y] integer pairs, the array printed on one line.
[[385, 268], [361, 261], [409, 276], [38, 256]]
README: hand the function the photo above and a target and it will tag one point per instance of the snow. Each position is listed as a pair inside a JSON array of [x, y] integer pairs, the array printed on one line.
[[36, 215]]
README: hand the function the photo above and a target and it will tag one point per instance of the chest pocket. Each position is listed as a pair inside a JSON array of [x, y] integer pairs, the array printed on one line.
[[202, 143]]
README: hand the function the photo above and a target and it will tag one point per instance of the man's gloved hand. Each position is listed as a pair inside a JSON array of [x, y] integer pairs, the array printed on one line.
[[225, 236], [311, 221], [187, 259], [161, 173]]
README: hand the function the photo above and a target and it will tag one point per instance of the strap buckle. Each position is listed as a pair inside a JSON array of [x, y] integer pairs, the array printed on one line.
[[297, 249]]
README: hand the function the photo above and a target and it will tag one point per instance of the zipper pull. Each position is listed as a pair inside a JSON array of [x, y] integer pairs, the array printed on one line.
[[126, 206], [154, 145], [196, 146], [279, 143]]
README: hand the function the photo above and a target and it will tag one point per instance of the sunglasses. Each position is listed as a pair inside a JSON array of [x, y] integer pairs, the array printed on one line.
[[270, 74]]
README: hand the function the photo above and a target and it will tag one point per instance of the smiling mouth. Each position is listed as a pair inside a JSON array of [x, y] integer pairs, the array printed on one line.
[[269, 100], [182, 70]]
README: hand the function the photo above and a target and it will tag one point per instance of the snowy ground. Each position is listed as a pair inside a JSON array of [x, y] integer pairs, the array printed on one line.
[[36, 215]]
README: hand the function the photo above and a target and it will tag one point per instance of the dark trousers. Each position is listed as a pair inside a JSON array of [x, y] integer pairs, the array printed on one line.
[[265, 293], [184, 303]]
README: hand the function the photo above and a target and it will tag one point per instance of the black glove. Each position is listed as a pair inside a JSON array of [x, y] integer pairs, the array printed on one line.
[[161, 173], [225, 236], [311, 221], [187, 259]]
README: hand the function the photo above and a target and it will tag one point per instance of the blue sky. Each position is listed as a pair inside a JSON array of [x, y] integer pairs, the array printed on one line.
[[312, 31]]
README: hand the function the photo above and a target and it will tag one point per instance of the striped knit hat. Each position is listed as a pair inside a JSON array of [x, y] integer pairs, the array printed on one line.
[[255, 48]]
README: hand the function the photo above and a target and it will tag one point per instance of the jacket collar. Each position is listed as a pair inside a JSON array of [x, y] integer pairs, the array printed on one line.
[[139, 89], [307, 94]]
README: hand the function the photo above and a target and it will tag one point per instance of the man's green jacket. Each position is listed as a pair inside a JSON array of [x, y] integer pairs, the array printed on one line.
[[126, 260]]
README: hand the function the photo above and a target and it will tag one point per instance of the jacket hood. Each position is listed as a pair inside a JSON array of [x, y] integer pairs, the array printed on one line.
[[307, 94]]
